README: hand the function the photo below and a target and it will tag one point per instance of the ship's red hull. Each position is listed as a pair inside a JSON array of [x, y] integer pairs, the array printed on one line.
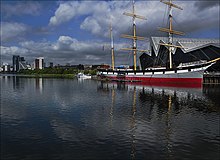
[[170, 82]]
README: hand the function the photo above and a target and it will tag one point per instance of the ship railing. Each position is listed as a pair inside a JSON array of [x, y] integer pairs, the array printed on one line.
[[155, 68], [192, 63]]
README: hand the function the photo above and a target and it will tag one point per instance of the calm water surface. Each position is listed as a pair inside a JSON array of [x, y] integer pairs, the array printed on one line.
[[71, 119]]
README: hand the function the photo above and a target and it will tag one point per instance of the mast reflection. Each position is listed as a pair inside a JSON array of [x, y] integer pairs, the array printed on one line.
[[133, 126], [153, 104], [112, 105], [168, 130]]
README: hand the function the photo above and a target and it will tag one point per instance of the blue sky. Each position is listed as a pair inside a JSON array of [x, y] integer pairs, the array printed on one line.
[[75, 31]]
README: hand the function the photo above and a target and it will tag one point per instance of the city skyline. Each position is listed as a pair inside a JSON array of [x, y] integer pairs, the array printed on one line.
[[77, 32]]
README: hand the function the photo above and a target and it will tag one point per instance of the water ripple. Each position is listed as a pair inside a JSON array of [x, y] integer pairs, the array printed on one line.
[[67, 119]]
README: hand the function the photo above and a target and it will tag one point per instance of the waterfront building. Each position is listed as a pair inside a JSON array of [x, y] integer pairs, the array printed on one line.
[[87, 66], [6, 67], [51, 64], [39, 63], [19, 63], [23, 64], [192, 50], [15, 63]]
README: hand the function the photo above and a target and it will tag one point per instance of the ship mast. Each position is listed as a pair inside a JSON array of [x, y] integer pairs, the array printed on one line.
[[112, 47], [134, 36], [170, 31]]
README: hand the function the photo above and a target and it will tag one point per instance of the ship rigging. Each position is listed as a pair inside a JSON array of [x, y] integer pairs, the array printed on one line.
[[188, 75]]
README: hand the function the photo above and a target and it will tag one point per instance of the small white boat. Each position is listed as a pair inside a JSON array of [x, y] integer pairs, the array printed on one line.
[[83, 76]]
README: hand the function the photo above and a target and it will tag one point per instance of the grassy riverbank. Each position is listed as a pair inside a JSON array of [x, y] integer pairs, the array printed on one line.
[[54, 73], [47, 75]]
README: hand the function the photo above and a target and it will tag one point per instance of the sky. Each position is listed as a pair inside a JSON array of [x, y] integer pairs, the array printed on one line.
[[77, 32]]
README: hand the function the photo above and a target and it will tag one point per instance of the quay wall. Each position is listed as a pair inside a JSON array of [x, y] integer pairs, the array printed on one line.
[[211, 78]]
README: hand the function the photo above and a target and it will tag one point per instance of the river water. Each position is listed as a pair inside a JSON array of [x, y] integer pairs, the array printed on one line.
[[49, 118]]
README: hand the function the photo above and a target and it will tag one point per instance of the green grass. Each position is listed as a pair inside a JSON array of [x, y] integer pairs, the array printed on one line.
[[54, 73], [48, 75]]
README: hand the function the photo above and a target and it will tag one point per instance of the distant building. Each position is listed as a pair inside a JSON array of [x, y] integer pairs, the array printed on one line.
[[51, 64], [80, 67], [19, 63], [39, 63], [87, 66], [15, 63], [105, 66], [23, 64], [6, 67]]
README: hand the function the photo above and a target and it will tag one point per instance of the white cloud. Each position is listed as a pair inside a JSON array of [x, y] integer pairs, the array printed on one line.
[[10, 30], [68, 50], [68, 10], [97, 16], [64, 13], [91, 25], [65, 50], [19, 8], [91, 57], [13, 50], [66, 40]]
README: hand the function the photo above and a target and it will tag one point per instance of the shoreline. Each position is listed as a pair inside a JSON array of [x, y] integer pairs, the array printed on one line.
[[42, 75]]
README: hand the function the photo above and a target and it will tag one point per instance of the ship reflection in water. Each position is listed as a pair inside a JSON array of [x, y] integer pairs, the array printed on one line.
[[205, 97], [49, 118], [172, 110]]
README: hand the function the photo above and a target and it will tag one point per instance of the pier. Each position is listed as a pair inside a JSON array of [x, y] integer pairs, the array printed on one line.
[[211, 78]]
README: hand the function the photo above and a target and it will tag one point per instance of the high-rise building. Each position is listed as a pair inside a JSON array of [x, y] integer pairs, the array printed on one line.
[[15, 62], [18, 63], [39, 63], [36, 64], [51, 64]]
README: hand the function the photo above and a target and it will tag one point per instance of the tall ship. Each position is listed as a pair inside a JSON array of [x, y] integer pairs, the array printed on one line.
[[188, 74]]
